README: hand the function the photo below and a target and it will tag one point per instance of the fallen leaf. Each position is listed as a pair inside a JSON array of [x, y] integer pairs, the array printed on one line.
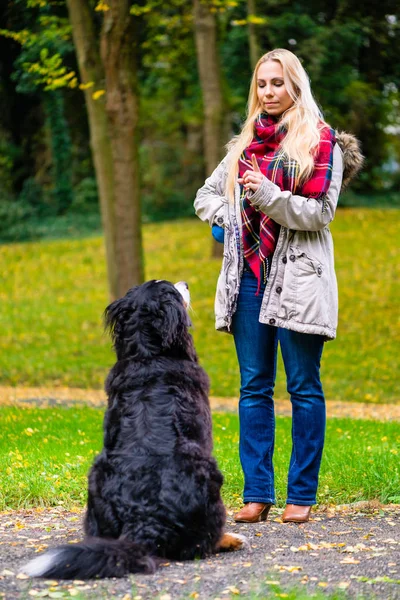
[[233, 590], [288, 569], [350, 561]]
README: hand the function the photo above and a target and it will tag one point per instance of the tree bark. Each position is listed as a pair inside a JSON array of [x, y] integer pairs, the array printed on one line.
[[210, 81], [253, 34], [122, 107], [91, 70]]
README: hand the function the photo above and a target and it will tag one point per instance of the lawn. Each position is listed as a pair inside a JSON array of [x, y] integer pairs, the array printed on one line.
[[53, 295], [41, 467]]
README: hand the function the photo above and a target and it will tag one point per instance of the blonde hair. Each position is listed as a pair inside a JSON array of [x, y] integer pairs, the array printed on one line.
[[303, 120]]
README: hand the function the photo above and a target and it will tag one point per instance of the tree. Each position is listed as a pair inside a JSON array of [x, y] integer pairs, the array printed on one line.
[[254, 46], [113, 114], [210, 80]]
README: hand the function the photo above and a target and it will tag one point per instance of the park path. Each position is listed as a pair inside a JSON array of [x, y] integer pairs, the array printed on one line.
[[352, 550], [52, 396]]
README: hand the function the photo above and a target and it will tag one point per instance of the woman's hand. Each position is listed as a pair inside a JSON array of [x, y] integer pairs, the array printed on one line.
[[251, 180]]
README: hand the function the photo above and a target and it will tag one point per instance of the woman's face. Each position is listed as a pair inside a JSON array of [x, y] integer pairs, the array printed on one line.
[[271, 90]]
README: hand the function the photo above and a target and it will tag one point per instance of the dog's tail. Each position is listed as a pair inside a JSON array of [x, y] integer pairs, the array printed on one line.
[[94, 557]]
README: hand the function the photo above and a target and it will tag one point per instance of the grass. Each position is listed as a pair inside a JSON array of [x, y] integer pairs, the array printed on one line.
[[53, 295], [40, 467]]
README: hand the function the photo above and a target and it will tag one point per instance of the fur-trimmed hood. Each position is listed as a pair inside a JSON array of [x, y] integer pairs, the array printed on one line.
[[352, 157]]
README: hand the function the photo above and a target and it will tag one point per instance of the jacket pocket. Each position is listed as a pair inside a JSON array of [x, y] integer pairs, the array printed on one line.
[[311, 289], [311, 262]]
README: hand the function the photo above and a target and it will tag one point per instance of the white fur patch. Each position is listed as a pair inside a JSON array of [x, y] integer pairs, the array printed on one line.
[[243, 539], [40, 565], [183, 289]]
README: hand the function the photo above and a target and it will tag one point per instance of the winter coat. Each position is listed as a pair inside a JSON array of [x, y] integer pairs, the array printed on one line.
[[301, 292]]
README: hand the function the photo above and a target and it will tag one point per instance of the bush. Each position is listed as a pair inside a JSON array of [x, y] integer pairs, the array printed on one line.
[[86, 198]]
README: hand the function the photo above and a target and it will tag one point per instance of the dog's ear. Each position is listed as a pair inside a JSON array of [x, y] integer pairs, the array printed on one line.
[[114, 317], [175, 323]]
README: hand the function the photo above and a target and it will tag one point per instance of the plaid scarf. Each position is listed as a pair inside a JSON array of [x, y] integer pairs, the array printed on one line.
[[260, 232]]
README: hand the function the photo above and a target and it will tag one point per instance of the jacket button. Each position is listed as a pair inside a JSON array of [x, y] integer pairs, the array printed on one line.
[[284, 260], [272, 321], [292, 257], [278, 290], [319, 271]]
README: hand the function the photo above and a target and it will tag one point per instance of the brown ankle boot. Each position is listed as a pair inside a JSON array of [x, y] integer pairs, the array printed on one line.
[[253, 512], [294, 513]]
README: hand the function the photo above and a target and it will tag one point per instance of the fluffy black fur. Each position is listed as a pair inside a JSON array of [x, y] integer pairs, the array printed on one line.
[[154, 490]]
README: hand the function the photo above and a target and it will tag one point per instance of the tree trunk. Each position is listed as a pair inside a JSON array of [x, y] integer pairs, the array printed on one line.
[[210, 81], [119, 61], [253, 36], [91, 70]]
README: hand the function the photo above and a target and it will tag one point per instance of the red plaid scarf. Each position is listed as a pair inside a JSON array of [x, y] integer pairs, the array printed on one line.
[[259, 232]]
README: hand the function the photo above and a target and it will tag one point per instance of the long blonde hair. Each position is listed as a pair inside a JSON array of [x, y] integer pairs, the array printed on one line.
[[302, 121]]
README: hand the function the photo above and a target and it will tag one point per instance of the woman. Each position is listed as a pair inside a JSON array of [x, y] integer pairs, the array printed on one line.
[[274, 194]]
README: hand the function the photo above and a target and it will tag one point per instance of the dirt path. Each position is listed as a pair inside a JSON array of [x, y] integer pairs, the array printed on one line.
[[354, 549], [53, 396]]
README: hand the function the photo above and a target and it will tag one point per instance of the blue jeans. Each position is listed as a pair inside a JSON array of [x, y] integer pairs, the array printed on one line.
[[256, 347]]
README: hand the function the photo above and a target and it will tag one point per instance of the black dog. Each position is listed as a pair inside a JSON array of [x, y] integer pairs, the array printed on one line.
[[154, 491]]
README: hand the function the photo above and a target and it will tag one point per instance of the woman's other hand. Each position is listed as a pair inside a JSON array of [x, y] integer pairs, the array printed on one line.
[[251, 180], [218, 233]]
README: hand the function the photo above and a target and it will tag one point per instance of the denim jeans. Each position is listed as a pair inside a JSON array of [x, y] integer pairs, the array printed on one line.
[[256, 347]]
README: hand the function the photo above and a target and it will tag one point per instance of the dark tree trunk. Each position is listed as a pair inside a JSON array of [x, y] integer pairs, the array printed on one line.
[[210, 79]]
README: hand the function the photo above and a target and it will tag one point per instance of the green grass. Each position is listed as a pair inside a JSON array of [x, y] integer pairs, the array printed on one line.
[[45, 455], [53, 295]]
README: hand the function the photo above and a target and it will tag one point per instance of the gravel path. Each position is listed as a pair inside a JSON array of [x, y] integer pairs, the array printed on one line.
[[26, 396], [354, 549]]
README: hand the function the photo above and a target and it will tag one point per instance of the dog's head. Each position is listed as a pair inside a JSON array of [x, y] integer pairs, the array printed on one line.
[[150, 320]]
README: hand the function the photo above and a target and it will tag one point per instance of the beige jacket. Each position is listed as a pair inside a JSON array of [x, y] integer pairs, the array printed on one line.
[[301, 293]]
